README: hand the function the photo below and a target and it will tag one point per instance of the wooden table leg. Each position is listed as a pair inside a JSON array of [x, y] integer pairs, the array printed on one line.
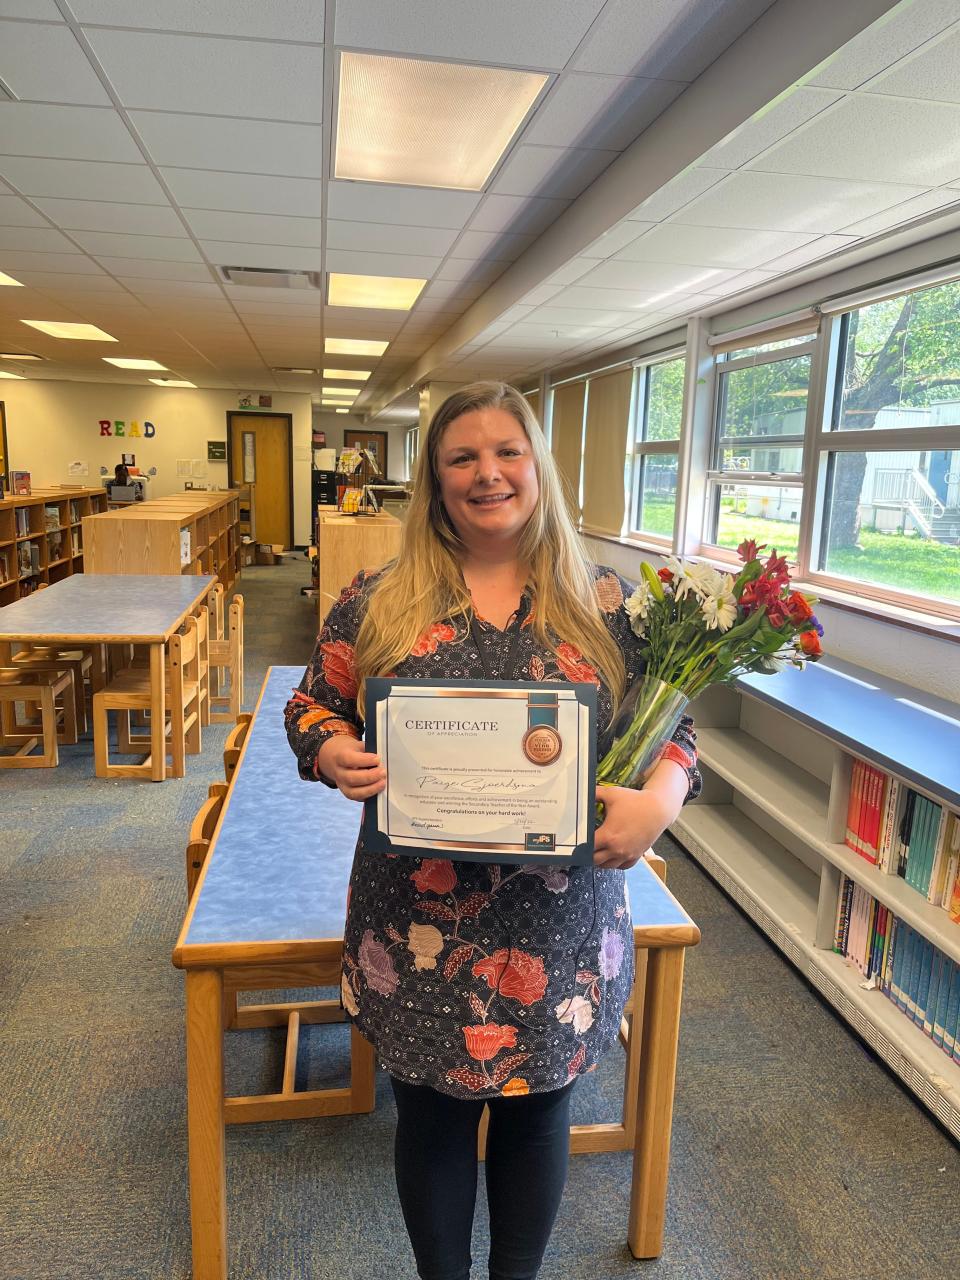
[[158, 716], [658, 1064], [207, 1168]]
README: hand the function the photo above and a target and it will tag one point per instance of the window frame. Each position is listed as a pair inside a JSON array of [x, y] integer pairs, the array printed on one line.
[[639, 449]]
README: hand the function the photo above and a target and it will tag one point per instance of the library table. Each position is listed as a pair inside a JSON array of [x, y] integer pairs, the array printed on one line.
[[272, 894], [108, 608]]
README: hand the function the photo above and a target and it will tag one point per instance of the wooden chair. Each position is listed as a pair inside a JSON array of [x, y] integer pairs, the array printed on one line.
[[42, 687], [235, 740], [85, 664], [618, 1135], [201, 833], [202, 615], [227, 656], [215, 605], [129, 691]]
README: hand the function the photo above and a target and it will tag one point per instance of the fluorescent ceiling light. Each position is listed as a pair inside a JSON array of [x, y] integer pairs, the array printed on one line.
[[67, 329], [19, 376], [171, 382], [13, 355], [427, 124], [344, 393], [354, 347], [5, 279], [341, 411], [354, 375], [286, 369], [123, 362], [388, 293], [337, 402]]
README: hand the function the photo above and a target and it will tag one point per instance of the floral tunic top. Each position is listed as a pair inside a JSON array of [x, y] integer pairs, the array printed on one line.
[[476, 979]]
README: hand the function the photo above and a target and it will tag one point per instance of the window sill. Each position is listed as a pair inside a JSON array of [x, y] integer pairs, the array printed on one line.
[[930, 624]]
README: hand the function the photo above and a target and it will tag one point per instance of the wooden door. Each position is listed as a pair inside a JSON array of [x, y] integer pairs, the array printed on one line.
[[374, 442], [260, 455]]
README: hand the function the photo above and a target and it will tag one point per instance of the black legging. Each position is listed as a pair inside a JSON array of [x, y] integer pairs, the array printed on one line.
[[528, 1142]]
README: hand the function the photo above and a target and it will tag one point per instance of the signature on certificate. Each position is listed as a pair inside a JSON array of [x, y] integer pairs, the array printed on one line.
[[473, 783]]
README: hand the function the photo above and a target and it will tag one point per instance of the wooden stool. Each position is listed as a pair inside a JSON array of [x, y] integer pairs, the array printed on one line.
[[619, 1135], [42, 687], [226, 655]]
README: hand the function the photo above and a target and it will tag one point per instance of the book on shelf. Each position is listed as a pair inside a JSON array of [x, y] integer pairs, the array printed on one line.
[[20, 483], [4, 566], [54, 546], [24, 560], [74, 511], [51, 518], [22, 515]]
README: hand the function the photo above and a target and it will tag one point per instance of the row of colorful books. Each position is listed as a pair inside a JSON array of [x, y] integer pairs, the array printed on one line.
[[910, 971], [904, 833]]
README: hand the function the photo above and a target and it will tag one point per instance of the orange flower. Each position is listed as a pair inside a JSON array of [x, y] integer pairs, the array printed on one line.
[[339, 667], [439, 633], [436, 875], [522, 978], [798, 607], [514, 1087], [810, 644], [485, 1042]]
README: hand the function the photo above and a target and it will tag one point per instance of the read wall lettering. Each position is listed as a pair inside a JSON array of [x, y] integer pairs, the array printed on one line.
[[118, 427]]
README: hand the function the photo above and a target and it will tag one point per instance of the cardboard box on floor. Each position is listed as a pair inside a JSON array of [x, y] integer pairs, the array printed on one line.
[[271, 553]]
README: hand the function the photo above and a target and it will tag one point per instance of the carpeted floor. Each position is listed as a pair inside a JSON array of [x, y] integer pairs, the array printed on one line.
[[795, 1154]]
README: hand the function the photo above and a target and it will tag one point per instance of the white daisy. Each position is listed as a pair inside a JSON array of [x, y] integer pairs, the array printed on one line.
[[720, 611], [638, 606]]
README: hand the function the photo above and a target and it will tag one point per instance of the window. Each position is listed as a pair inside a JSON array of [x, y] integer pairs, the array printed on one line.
[[656, 448], [889, 454], [755, 480]]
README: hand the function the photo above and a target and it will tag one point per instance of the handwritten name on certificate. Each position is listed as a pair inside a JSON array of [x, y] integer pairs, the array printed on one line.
[[483, 771]]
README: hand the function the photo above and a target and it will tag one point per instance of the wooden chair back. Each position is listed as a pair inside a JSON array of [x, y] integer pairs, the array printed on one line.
[[215, 599], [201, 833], [234, 744]]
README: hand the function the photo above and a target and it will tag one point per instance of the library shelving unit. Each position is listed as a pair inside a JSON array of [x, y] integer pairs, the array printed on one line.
[[41, 537], [776, 753], [191, 532]]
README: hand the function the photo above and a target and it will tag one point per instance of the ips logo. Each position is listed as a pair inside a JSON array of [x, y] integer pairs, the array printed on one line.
[[540, 842]]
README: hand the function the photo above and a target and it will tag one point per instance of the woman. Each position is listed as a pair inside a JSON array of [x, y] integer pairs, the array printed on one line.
[[484, 983]]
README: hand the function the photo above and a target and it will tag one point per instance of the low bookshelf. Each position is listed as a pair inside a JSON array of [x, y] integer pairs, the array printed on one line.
[[41, 537], [777, 755]]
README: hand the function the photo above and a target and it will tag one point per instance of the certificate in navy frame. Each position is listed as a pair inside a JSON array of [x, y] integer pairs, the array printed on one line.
[[376, 840]]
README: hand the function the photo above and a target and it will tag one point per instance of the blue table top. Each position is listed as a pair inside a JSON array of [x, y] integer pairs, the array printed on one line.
[[281, 859], [98, 607], [911, 734]]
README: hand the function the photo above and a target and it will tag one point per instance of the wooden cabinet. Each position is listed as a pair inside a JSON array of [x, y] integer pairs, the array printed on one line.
[[346, 544], [41, 537], [776, 755], [193, 532]]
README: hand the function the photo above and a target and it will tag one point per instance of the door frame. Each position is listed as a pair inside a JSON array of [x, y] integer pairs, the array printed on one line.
[[383, 435], [265, 413]]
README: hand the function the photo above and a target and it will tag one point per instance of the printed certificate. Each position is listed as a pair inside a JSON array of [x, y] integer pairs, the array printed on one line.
[[483, 771]]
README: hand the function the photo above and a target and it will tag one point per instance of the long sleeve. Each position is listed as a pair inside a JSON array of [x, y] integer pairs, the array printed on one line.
[[325, 703]]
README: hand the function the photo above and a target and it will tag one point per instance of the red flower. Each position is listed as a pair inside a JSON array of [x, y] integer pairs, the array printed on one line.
[[339, 667], [436, 875], [776, 569], [665, 574], [485, 1042], [748, 549], [571, 662], [439, 633], [522, 978], [810, 644], [775, 614], [798, 607]]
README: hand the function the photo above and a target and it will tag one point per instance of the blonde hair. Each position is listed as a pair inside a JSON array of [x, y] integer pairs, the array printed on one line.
[[425, 583]]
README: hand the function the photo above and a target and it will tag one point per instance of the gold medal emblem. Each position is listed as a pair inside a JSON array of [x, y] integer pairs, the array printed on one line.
[[542, 744]]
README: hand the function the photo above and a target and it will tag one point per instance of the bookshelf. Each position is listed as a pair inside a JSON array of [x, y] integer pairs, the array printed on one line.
[[194, 532], [777, 755], [41, 537]]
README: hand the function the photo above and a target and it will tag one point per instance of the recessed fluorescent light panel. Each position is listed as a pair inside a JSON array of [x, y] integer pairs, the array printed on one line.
[[351, 375], [427, 124], [171, 382], [19, 376], [5, 279], [66, 329], [354, 347], [386, 293], [13, 355], [122, 362], [341, 411], [344, 393]]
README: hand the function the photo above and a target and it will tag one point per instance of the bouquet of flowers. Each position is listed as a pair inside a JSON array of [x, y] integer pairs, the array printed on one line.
[[700, 627]]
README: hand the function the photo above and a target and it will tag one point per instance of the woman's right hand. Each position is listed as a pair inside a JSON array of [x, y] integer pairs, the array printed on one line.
[[357, 773]]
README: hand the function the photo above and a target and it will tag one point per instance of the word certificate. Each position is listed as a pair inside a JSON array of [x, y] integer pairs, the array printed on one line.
[[483, 771]]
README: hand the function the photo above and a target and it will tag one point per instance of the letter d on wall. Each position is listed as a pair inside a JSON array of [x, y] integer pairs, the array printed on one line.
[[149, 430]]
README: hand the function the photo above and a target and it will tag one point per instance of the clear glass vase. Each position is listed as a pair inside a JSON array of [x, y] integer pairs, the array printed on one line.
[[645, 722]]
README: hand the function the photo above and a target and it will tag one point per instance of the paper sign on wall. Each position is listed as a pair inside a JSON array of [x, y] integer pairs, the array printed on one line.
[[77, 469]]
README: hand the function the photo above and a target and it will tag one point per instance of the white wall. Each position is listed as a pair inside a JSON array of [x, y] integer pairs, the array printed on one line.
[[51, 424], [922, 661]]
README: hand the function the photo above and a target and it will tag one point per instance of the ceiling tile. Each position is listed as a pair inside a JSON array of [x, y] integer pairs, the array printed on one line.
[[772, 124], [254, 296], [144, 268], [229, 253], [405, 206], [42, 239], [542, 293], [239, 146], [381, 264], [82, 180], [527, 215], [50, 280], [223, 77], [656, 278], [255, 228], [75, 133], [15, 212], [245, 192], [382, 238], [451, 289], [538, 33], [616, 238], [884, 42], [280, 19], [875, 139], [905, 212], [599, 111], [39, 10], [182, 288], [570, 271], [811, 252], [503, 247], [932, 72], [471, 272], [564, 316], [585, 297], [789, 202], [676, 193], [98, 215], [70, 263], [44, 63], [710, 246], [551, 171], [169, 248]]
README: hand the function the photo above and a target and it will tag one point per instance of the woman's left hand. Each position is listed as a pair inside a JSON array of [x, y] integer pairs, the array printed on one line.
[[632, 820]]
